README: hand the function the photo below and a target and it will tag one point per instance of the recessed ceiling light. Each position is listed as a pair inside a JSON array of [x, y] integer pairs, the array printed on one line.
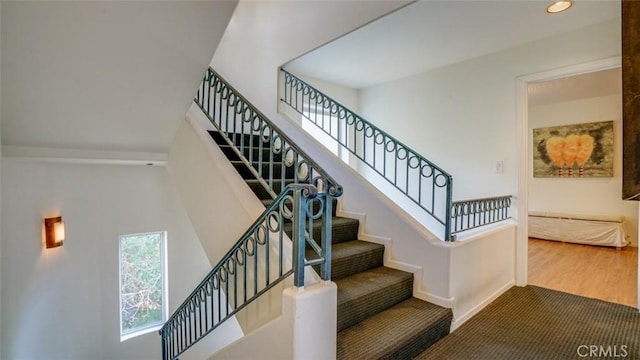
[[559, 6]]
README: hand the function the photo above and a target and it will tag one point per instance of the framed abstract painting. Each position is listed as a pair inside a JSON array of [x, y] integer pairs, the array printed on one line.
[[579, 150]]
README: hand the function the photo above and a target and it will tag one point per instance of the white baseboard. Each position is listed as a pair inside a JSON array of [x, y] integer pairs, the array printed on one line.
[[459, 320], [434, 299]]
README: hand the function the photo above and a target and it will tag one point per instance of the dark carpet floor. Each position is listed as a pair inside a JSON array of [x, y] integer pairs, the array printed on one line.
[[536, 323]]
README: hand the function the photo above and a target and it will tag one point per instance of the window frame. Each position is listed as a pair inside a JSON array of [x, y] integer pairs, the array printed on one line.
[[128, 334]]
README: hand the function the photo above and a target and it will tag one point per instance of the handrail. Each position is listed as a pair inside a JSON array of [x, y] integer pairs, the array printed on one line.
[[401, 166], [247, 269], [249, 132], [420, 180]]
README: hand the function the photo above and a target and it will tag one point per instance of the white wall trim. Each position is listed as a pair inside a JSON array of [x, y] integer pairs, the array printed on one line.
[[483, 231], [459, 320], [434, 299], [418, 292], [522, 125], [84, 156]]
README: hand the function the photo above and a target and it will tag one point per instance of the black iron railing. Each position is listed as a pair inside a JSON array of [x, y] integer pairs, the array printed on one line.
[[258, 261], [420, 180], [470, 214], [249, 132]]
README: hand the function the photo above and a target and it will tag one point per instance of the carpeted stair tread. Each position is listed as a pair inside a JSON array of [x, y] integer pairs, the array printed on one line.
[[217, 137], [275, 170], [260, 190], [399, 332], [342, 229], [229, 152], [351, 257], [355, 256], [368, 292], [236, 138], [232, 155]]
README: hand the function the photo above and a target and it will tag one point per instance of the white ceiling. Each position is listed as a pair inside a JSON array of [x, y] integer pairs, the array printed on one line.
[[117, 75], [431, 34], [103, 75]]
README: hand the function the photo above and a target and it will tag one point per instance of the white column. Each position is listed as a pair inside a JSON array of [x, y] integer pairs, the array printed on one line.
[[312, 314]]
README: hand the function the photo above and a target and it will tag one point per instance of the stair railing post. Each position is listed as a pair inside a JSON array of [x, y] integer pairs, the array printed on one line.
[[447, 216], [298, 236], [325, 268], [164, 345]]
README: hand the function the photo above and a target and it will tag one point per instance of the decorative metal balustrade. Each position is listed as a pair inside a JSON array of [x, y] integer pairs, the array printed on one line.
[[258, 261], [249, 132], [470, 214], [420, 180]]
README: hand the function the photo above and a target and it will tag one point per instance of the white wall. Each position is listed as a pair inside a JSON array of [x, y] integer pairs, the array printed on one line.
[[346, 96], [482, 268], [462, 116], [583, 195], [63, 303], [0, 185]]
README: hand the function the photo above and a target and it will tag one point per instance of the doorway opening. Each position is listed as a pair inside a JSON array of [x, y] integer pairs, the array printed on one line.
[[582, 94]]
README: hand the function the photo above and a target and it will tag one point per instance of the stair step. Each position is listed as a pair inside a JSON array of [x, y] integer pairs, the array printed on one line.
[[231, 154], [244, 138], [369, 292], [235, 138], [342, 229], [260, 190], [267, 171], [217, 137], [400, 332], [351, 257]]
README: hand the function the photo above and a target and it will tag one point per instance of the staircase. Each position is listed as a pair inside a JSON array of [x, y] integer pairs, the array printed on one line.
[[377, 316]]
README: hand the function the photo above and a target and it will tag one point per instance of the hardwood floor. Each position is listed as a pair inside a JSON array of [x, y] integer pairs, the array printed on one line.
[[593, 271]]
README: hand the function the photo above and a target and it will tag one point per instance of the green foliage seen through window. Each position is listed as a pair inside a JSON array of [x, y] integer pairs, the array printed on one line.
[[141, 281]]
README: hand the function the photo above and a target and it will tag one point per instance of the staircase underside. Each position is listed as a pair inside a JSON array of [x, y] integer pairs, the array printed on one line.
[[377, 316]]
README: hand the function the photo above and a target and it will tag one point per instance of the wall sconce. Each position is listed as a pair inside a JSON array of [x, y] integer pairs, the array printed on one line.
[[54, 232]]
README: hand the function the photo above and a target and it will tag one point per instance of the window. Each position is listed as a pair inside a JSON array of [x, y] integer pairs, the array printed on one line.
[[143, 290], [320, 125]]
